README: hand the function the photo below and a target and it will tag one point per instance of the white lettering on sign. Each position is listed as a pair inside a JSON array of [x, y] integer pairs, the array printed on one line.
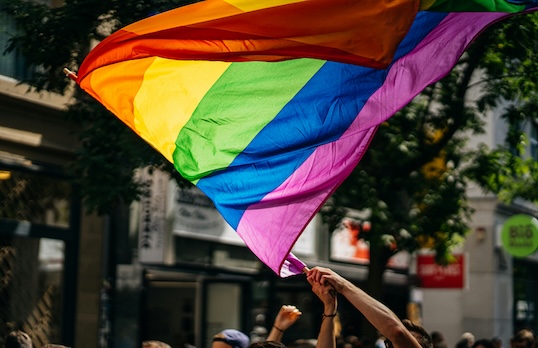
[[433, 270]]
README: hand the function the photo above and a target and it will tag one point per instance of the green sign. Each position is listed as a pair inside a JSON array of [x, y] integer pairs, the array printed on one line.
[[519, 235]]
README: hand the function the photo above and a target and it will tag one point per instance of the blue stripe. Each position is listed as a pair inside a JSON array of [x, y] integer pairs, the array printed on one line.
[[319, 114]]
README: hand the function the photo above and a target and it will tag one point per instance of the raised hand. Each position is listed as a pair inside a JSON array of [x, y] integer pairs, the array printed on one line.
[[286, 317]]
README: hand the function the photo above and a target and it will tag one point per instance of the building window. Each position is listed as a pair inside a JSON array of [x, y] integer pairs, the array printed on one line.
[[12, 64], [36, 198]]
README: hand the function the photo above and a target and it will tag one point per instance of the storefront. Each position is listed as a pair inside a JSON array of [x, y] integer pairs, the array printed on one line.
[[38, 254], [525, 295], [43, 225], [193, 276]]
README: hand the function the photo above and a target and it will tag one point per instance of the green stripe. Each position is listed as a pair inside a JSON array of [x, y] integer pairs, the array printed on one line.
[[211, 139], [475, 6]]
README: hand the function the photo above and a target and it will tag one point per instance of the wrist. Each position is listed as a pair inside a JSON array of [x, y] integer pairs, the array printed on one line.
[[330, 315], [278, 328], [329, 310], [346, 286]]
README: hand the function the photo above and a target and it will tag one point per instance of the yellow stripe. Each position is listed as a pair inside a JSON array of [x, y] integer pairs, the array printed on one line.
[[169, 95], [253, 5]]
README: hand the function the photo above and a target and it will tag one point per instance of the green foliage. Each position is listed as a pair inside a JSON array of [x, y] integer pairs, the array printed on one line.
[[53, 38], [107, 157], [412, 181]]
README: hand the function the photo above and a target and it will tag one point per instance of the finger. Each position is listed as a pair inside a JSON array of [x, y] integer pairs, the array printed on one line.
[[310, 280], [325, 279], [314, 273]]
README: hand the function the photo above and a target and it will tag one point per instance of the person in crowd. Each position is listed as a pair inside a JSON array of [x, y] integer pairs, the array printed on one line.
[[155, 344], [524, 338], [380, 341], [399, 333], [438, 339], [304, 343], [469, 337], [367, 343], [17, 339], [352, 341], [483, 343], [230, 338], [462, 343], [497, 342], [286, 317], [259, 331], [326, 336]]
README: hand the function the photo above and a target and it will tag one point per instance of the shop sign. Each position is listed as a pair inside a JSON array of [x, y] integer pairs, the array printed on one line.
[[432, 275], [152, 234], [194, 215], [519, 235]]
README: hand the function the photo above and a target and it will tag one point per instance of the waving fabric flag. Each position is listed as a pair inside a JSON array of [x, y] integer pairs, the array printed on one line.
[[267, 106]]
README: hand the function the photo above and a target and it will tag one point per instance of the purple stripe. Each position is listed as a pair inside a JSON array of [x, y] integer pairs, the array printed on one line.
[[312, 183]]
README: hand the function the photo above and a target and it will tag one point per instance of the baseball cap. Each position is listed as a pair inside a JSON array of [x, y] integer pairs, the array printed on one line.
[[232, 337]]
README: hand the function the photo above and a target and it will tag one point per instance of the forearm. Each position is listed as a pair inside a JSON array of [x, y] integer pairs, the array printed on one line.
[[286, 317], [326, 337], [379, 315], [275, 334]]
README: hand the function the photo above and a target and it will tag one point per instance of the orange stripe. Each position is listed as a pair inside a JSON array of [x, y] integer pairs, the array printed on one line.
[[120, 84]]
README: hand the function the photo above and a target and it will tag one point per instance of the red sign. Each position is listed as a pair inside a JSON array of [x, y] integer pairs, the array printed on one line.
[[432, 275]]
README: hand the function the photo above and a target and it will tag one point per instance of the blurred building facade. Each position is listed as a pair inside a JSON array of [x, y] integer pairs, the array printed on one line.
[[499, 292], [50, 250]]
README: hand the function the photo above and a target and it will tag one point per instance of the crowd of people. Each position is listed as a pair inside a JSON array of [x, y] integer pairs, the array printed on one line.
[[327, 285]]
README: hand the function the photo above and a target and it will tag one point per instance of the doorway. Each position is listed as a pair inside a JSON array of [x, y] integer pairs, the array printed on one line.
[[170, 312]]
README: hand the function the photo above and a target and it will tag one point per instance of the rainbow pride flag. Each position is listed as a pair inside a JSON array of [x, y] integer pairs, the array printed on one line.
[[268, 105]]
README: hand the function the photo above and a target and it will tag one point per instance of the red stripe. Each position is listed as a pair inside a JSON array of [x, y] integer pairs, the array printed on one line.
[[364, 32]]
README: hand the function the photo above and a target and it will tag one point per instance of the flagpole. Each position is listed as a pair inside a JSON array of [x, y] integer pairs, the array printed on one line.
[[70, 74]]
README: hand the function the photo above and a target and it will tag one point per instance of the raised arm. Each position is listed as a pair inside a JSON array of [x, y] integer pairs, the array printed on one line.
[[286, 317], [327, 295], [379, 315]]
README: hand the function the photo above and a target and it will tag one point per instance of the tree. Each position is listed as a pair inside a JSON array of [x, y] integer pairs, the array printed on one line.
[[412, 181], [51, 38]]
